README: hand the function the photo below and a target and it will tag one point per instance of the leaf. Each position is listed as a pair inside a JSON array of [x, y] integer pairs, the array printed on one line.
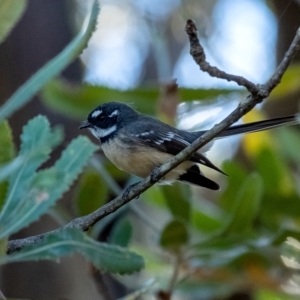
[[78, 101], [52, 68], [207, 218], [103, 256], [236, 175], [7, 152], [7, 169], [10, 13], [7, 149], [175, 198], [46, 187], [233, 250], [37, 141], [174, 236], [289, 83], [121, 233], [92, 193], [283, 234], [289, 143], [276, 176], [247, 205], [267, 294]]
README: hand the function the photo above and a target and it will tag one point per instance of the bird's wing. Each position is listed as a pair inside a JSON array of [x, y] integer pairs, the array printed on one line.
[[168, 140]]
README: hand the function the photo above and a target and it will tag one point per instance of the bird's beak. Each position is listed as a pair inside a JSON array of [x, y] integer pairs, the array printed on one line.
[[85, 124]]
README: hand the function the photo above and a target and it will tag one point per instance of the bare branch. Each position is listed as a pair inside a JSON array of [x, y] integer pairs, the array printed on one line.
[[197, 52], [258, 94]]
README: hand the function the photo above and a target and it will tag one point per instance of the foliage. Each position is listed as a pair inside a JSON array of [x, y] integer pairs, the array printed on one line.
[[78, 101], [10, 12], [223, 243], [27, 190], [52, 68], [103, 256]]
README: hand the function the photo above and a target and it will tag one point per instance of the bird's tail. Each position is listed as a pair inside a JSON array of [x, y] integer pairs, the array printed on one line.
[[260, 125]]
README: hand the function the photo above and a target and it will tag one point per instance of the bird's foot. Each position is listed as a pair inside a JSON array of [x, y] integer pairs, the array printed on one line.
[[128, 189], [153, 175]]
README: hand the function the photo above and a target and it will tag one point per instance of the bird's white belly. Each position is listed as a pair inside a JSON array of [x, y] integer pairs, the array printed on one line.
[[140, 162]]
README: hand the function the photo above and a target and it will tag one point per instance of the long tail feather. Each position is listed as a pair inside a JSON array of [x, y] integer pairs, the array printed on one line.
[[259, 126], [193, 176]]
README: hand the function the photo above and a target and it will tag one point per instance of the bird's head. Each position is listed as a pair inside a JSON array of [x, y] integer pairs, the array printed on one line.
[[106, 119]]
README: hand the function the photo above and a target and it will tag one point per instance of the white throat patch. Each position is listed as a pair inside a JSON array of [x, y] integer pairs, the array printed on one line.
[[101, 133]]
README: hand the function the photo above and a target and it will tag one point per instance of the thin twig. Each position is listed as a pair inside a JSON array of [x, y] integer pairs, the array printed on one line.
[[197, 52], [175, 274], [258, 94]]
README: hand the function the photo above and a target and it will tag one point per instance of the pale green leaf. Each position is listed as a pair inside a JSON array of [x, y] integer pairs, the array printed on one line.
[[105, 257], [46, 187], [174, 235], [52, 68], [121, 233], [77, 101], [177, 198], [247, 204], [37, 141], [7, 152], [91, 194], [10, 13], [289, 84]]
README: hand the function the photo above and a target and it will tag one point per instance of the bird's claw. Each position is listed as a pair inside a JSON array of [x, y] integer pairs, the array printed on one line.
[[153, 175], [128, 189]]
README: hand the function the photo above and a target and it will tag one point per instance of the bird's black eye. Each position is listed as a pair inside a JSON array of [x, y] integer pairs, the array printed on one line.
[[100, 118]]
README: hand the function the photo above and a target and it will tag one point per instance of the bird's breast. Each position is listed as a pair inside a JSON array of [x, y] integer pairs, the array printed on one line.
[[138, 160]]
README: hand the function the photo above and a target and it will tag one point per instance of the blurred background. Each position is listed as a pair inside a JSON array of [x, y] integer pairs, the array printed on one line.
[[140, 55]]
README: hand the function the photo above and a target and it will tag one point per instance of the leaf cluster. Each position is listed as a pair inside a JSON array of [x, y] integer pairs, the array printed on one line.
[[26, 190]]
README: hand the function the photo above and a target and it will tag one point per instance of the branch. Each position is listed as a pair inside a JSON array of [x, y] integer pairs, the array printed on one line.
[[199, 56], [257, 94]]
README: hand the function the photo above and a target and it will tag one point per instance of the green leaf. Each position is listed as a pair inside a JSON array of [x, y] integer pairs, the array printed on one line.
[[45, 187], [281, 196], [247, 205], [231, 250], [7, 169], [7, 149], [174, 236], [52, 68], [236, 175], [276, 174], [78, 101], [283, 234], [289, 83], [206, 217], [10, 13], [155, 197], [273, 295], [103, 256], [37, 141], [7, 152], [289, 143], [175, 198], [121, 233], [92, 193], [3, 246]]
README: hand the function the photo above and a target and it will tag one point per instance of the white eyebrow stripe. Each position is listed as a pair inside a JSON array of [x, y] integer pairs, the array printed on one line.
[[96, 113], [114, 113]]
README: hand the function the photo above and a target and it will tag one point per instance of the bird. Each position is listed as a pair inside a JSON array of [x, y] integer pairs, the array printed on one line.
[[138, 144]]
